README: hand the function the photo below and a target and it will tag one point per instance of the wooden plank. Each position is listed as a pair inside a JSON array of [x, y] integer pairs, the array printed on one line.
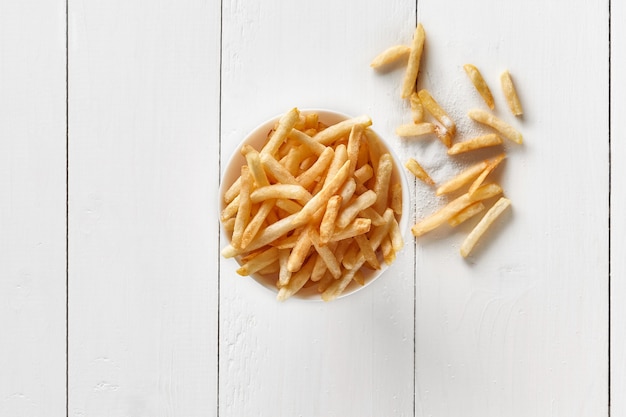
[[144, 97], [618, 208], [32, 208], [353, 356], [520, 328]]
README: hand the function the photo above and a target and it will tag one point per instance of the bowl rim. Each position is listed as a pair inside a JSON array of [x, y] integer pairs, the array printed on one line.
[[258, 135]]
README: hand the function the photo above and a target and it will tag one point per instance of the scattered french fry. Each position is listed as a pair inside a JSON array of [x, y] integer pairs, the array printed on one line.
[[479, 230], [466, 214], [483, 175], [415, 129], [478, 142], [390, 55], [440, 114], [413, 65], [510, 94], [419, 172], [479, 83], [417, 110], [486, 118], [462, 178]]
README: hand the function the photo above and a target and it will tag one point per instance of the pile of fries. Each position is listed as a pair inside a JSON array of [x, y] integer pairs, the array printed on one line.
[[473, 201], [317, 205]]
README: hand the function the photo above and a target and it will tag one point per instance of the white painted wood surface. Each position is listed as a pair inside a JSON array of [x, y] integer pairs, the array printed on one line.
[[32, 208], [160, 94]]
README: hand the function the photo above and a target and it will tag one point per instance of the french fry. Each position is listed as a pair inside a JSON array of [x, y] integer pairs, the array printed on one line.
[[259, 262], [438, 113], [299, 252], [383, 178], [395, 198], [256, 222], [510, 94], [325, 253], [389, 254], [395, 236], [486, 118], [284, 274], [442, 215], [479, 83], [276, 170], [285, 125], [415, 129], [314, 146], [416, 169], [230, 210], [332, 133], [363, 174], [389, 55], [282, 191], [354, 142], [478, 142], [413, 65], [359, 278], [320, 199], [367, 251], [233, 191], [243, 213], [349, 213], [297, 280], [467, 213], [358, 227], [481, 178], [462, 178], [319, 167], [256, 168], [417, 110], [479, 230], [327, 226]]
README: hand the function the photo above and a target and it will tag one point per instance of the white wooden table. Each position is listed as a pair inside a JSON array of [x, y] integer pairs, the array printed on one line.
[[116, 119]]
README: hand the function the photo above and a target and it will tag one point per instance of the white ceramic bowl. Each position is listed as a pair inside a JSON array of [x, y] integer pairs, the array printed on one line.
[[257, 139]]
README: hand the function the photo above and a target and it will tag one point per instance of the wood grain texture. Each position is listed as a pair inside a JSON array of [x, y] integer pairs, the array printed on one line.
[[353, 356], [32, 208], [144, 96], [618, 209], [521, 327]]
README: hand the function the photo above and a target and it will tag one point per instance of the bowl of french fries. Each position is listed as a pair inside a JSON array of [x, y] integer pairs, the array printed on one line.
[[314, 205]]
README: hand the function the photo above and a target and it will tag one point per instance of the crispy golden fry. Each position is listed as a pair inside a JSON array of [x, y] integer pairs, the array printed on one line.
[[320, 199], [481, 178], [383, 178], [367, 251], [319, 167], [486, 118], [438, 113], [284, 274], [256, 168], [442, 215], [484, 224], [256, 222], [416, 169], [311, 120], [299, 252], [349, 212], [346, 191], [413, 65], [341, 156], [278, 172], [285, 125], [230, 210], [314, 146], [510, 94], [282, 191], [395, 236], [354, 143], [467, 213], [389, 254], [462, 178], [359, 278], [363, 174], [259, 262], [478, 142], [243, 213], [233, 191], [334, 132], [327, 226], [297, 280], [479, 83], [357, 227], [337, 287], [325, 253], [389, 55], [370, 213], [417, 110], [395, 198], [288, 206], [264, 237], [415, 129]]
